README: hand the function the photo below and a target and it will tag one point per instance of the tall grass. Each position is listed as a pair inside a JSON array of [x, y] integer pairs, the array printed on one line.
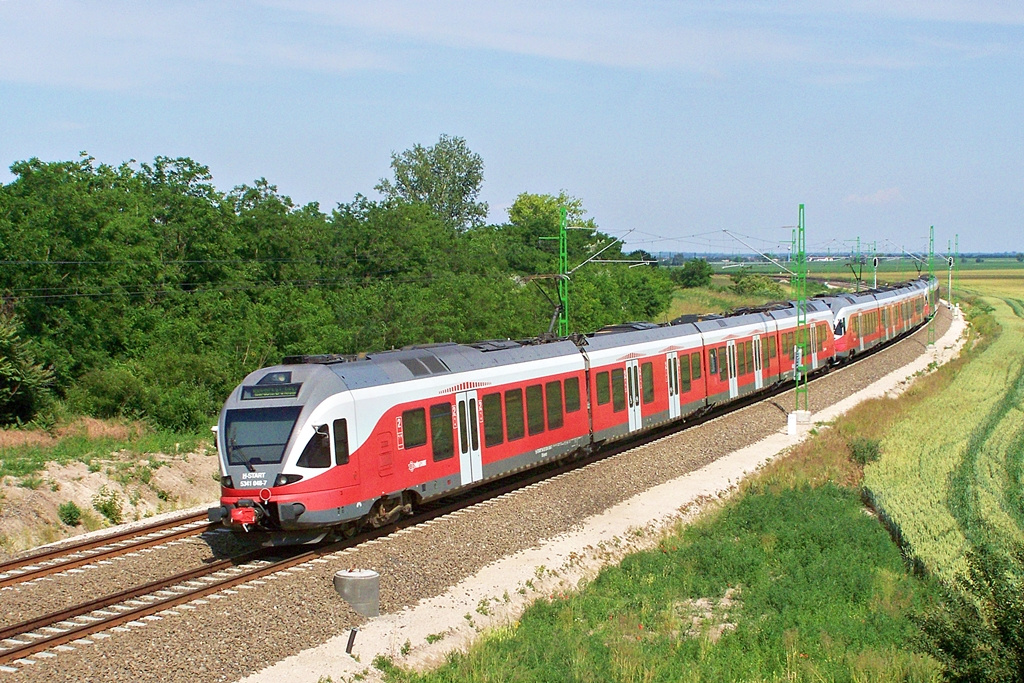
[[796, 584]]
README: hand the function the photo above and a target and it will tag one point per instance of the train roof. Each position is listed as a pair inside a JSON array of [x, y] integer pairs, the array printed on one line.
[[386, 367]]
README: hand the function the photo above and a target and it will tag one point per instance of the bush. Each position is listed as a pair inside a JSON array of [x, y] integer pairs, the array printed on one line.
[[69, 513], [979, 633], [864, 450], [746, 282], [108, 504], [109, 392]]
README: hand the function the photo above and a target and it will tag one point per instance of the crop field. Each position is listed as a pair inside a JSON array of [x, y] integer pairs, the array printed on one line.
[[950, 473]]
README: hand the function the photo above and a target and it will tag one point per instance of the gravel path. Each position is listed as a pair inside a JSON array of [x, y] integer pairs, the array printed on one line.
[[242, 631]]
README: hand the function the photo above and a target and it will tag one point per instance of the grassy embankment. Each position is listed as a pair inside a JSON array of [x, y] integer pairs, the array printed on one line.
[[25, 453], [791, 580]]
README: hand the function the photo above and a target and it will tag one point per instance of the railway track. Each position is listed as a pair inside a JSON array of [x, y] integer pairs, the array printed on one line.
[[71, 556], [132, 606]]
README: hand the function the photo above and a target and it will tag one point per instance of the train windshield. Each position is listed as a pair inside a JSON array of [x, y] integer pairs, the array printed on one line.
[[257, 436]]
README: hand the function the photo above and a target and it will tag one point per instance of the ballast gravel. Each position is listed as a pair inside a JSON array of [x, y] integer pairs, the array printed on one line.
[[49, 594], [228, 636]]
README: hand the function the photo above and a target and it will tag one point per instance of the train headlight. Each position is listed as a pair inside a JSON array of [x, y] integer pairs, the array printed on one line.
[[285, 479], [227, 482]]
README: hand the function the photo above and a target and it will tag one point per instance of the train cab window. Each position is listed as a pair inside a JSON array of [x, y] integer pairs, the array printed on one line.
[[723, 369], [414, 427], [514, 414], [317, 453], [442, 440], [684, 374], [572, 394], [553, 396], [494, 425], [713, 361], [341, 442], [618, 390], [695, 365], [647, 382], [604, 394], [534, 409]]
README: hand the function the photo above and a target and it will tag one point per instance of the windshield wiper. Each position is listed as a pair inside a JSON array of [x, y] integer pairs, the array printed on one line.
[[235, 448]]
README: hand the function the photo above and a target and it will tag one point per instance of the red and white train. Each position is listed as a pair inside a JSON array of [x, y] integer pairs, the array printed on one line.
[[325, 444]]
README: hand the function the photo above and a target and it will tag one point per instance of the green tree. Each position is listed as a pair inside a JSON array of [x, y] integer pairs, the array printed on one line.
[[694, 273], [446, 177], [24, 384]]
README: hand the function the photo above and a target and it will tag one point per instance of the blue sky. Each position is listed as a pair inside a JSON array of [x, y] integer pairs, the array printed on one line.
[[678, 120]]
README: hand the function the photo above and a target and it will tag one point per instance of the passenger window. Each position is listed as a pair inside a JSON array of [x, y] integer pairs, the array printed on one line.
[[441, 438], [618, 390], [494, 426], [341, 442], [514, 414], [535, 409], [771, 347], [553, 394], [749, 351], [414, 427], [741, 358], [723, 369], [603, 392], [317, 453], [695, 365], [647, 381], [684, 374], [713, 361], [572, 394]]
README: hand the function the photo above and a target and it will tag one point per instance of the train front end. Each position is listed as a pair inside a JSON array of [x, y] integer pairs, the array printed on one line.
[[282, 439]]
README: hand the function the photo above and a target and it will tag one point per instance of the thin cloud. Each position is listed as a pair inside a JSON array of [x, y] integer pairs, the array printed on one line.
[[889, 195], [121, 45]]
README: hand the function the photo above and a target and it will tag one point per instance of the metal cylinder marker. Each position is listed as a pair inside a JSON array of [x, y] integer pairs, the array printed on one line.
[[360, 588]]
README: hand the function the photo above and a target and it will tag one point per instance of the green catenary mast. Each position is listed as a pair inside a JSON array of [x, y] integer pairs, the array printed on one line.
[[931, 278], [802, 331], [563, 273]]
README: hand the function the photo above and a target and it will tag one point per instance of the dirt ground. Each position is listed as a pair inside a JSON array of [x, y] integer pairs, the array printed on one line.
[[137, 487]]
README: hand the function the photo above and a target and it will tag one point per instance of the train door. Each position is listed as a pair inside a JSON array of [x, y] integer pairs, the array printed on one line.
[[467, 416], [633, 394], [673, 385], [813, 331], [734, 384], [758, 378]]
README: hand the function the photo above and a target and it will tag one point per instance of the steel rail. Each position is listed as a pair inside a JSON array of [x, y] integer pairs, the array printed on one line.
[[24, 569]]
